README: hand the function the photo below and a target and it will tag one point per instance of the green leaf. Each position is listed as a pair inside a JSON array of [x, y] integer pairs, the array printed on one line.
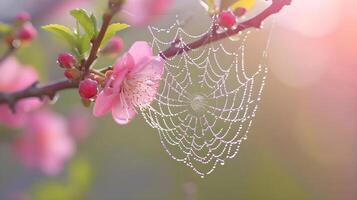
[[112, 30], [61, 32], [4, 28], [84, 20], [84, 43], [95, 24]]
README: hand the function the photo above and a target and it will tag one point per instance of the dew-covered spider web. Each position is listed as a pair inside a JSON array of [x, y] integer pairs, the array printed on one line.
[[208, 96]]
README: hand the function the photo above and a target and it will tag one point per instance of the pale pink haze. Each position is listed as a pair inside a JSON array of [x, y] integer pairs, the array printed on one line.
[[45, 144], [79, 124], [134, 83], [143, 12], [16, 77]]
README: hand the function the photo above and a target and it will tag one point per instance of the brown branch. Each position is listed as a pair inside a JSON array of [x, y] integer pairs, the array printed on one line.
[[51, 89], [96, 42], [212, 36], [33, 90]]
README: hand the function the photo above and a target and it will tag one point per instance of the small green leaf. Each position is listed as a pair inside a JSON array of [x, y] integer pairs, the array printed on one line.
[[84, 43], [62, 32], [112, 30], [84, 20], [4, 28], [95, 24]]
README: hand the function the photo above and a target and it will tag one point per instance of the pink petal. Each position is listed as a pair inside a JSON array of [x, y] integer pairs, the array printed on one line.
[[45, 143], [141, 52], [121, 69], [11, 68], [142, 12], [28, 76], [17, 76], [22, 107], [103, 103], [9, 119], [155, 68], [123, 111]]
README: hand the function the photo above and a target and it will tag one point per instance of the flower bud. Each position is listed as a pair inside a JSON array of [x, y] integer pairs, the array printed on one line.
[[22, 17], [72, 74], [26, 33], [226, 19], [88, 88], [66, 60], [114, 46], [97, 78], [240, 11], [108, 74]]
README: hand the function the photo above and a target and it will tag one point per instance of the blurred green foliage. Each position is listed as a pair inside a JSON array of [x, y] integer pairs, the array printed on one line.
[[75, 186]]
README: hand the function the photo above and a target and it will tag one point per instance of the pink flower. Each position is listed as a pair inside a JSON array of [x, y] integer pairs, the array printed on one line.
[[16, 77], [134, 83], [45, 144], [142, 12]]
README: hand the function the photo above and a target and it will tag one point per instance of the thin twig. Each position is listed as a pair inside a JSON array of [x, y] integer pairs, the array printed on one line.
[[96, 42], [212, 36], [33, 90], [51, 89]]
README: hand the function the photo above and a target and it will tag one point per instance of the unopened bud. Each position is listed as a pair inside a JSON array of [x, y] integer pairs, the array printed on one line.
[[114, 46], [72, 74], [226, 19], [88, 88], [22, 17], [26, 33], [240, 11], [66, 60]]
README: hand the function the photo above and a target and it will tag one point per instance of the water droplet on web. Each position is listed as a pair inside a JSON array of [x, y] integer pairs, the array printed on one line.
[[235, 37], [221, 30]]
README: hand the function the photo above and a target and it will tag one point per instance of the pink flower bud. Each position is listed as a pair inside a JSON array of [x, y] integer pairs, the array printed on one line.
[[114, 46], [22, 17], [27, 32], [88, 88], [66, 60], [226, 19], [97, 78], [72, 74], [240, 11]]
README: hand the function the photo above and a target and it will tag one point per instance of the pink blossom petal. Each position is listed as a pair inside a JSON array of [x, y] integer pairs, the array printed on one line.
[[141, 52], [154, 68], [11, 68], [123, 111], [142, 12], [121, 69], [10, 119], [45, 144], [16, 120], [103, 103], [28, 77], [17, 76]]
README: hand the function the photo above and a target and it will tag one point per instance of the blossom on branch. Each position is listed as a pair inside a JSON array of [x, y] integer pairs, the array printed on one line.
[[134, 83], [45, 143], [16, 77]]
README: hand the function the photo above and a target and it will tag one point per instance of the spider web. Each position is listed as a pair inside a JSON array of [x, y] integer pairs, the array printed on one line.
[[208, 97]]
